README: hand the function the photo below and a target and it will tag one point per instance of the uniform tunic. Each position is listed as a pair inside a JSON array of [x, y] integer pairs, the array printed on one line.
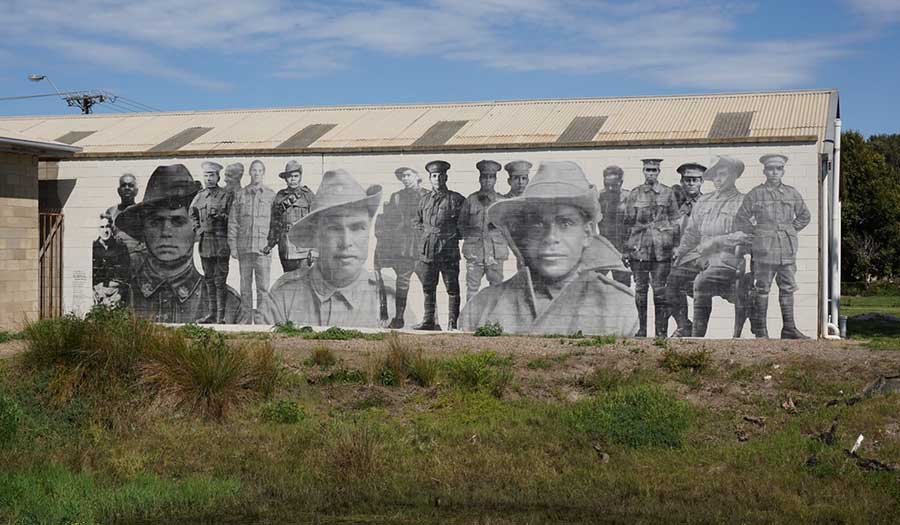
[[592, 302], [177, 299], [289, 206], [780, 213], [304, 297], [483, 242], [248, 222], [209, 212], [704, 241], [651, 212], [438, 219], [399, 240], [612, 222]]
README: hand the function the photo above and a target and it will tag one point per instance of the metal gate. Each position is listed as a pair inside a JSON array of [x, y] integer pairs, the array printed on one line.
[[50, 260]]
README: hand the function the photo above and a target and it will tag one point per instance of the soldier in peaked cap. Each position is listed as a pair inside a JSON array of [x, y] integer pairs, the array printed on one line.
[[167, 287], [680, 282], [484, 246], [209, 211], [398, 239], [518, 171], [290, 205], [773, 213], [336, 290], [562, 286], [651, 213], [612, 214], [233, 174], [438, 219]]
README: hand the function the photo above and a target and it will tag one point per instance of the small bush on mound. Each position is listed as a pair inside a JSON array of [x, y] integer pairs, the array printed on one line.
[[633, 416], [290, 329], [283, 411], [481, 371], [208, 376], [695, 360], [11, 416], [489, 330], [405, 363]]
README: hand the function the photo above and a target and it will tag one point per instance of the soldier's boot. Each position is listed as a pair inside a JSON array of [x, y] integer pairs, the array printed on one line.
[[382, 303], [758, 313], [641, 303], [661, 319], [400, 302], [789, 329], [210, 316], [454, 311], [701, 319], [221, 302], [428, 322]]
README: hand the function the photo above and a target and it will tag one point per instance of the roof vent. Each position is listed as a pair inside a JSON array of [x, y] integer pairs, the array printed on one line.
[[440, 133], [180, 140], [728, 125], [306, 136], [74, 136], [582, 129]]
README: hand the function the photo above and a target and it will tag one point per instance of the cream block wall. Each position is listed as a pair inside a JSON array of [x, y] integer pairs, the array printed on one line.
[[97, 180], [19, 300]]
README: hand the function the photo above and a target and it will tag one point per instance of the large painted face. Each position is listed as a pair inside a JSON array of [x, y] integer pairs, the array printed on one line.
[[410, 179], [651, 174], [691, 184], [774, 173], [169, 234], [552, 239], [612, 182], [211, 178], [127, 188], [342, 238], [517, 183], [257, 172], [293, 180], [487, 181]]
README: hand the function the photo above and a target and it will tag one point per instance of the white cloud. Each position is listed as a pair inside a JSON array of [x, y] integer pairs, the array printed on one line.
[[678, 42], [882, 11]]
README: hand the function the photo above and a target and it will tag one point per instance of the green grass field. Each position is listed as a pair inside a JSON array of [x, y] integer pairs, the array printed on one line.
[[856, 305]]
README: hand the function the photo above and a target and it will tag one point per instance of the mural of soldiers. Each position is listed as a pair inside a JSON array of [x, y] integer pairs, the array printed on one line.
[[438, 219], [111, 267], [167, 288], [773, 213], [707, 254], [248, 231], [209, 211], [337, 290], [290, 205], [562, 287], [518, 171], [399, 239], [612, 215], [233, 174], [484, 247], [651, 213], [127, 191], [680, 282]]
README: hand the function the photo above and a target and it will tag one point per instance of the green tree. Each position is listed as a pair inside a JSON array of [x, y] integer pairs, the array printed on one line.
[[870, 214]]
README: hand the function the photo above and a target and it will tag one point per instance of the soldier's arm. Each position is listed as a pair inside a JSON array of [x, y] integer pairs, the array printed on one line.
[[274, 225], [463, 223], [630, 215], [802, 215], [744, 214], [233, 218], [455, 215], [420, 221], [690, 238], [195, 213]]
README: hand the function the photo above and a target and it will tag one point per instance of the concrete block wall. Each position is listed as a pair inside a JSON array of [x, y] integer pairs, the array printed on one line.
[[18, 240]]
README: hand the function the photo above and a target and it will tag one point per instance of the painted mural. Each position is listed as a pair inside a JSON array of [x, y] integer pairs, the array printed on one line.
[[556, 253]]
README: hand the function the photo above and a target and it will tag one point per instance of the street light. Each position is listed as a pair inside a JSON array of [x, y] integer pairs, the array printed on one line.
[[37, 78], [83, 100]]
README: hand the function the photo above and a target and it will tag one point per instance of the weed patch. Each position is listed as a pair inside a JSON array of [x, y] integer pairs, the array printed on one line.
[[290, 329], [321, 356], [11, 416], [341, 334], [695, 360], [345, 375], [282, 411], [489, 330], [598, 340], [6, 336], [480, 371]]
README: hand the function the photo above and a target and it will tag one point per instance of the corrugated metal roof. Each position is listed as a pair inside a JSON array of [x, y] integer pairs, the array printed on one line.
[[778, 116]]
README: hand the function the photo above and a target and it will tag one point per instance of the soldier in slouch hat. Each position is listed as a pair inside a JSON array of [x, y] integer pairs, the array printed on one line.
[[290, 205]]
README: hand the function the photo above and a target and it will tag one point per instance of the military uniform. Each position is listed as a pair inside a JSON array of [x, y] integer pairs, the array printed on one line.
[[484, 246], [399, 241], [438, 219], [289, 206], [680, 282], [651, 213], [773, 214], [304, 297], [209, 212], [612, 224], [178, 299], [248, 233], [136, 249], [591, 303], [111, 268]]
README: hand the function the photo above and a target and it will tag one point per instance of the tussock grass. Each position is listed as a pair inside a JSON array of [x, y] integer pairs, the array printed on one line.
[[480, 371], [322, 356], [403, 362]]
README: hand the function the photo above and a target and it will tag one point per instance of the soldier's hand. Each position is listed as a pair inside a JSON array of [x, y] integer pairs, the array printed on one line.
[[266, 250], [626, 261]]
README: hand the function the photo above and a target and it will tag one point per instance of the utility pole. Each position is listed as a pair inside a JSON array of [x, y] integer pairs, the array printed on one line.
[[85, 101]]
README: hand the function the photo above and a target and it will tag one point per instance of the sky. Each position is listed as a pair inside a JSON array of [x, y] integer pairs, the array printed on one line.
[[216, 54]]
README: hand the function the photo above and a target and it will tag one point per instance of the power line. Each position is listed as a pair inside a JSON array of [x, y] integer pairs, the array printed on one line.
[[139, 104]]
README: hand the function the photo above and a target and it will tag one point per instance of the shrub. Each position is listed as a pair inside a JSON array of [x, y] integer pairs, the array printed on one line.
[[695, 360], [603, 379], [494, 329], [208, 376], [195, 331], [6, 336], [290, 329], [283, 411], [11, 416], [322, 356], [480, 371], [633, 416], [661, 342]]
